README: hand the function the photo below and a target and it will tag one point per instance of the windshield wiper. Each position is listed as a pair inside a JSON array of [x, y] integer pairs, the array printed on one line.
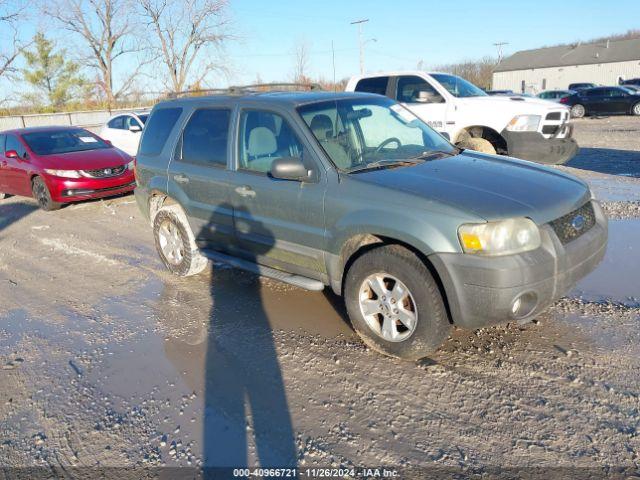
[[434, 154], [385, 163]]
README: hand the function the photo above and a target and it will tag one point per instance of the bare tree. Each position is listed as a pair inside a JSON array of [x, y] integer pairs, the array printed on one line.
[[11, 45], [301, 56], [478, 72], [189, 37], [106, 28]]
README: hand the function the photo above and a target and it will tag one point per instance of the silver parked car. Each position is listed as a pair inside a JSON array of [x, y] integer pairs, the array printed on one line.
[[555, 95]]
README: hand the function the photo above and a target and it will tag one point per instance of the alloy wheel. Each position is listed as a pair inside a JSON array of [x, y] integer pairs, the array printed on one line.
[[388, 307], [171, 242]]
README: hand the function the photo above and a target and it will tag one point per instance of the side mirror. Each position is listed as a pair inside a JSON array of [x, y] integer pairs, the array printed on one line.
[[290, 168], [108, 142], [11, 154], [428, 97], [135, 128]]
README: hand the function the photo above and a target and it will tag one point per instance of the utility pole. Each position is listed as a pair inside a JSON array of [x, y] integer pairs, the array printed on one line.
[[360, 41], [499, 46]]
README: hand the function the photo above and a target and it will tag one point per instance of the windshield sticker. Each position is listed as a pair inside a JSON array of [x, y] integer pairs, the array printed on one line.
[[403, 113], [88, 140]]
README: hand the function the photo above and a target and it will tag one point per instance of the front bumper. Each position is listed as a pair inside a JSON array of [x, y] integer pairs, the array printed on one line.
[[535, 147], [481, 290], [65, 190]]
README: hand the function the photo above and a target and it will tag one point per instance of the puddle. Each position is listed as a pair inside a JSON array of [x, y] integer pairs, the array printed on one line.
[[617, 278]]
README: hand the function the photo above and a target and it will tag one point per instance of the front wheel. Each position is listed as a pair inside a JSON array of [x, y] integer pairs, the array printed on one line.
[[636, 109], [394, 303], [176, 243], [578, 111], [42, 195]]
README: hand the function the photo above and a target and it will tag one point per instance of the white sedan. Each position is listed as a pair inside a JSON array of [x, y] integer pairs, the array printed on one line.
[[124, 131]]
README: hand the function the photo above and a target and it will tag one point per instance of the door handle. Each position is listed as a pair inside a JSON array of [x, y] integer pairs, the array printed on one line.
[[4, 163], [245, 191], [181, 178]]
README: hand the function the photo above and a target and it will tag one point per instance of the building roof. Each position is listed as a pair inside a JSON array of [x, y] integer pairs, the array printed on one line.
[[576, 54]]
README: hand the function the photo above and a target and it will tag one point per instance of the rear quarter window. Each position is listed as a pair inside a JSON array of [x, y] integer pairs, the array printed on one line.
[[373, 85], [158, 129]]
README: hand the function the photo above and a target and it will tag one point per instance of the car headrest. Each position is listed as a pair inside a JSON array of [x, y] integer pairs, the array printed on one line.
[[321, 125], [262, 142]]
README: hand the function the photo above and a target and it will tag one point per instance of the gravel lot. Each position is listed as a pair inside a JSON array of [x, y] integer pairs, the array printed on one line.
[[109, 361]]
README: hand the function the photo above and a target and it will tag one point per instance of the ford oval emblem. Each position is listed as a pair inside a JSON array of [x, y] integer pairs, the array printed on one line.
[[578, 222]]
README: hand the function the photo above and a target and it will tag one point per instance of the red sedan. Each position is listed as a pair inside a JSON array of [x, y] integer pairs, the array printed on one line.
[[58, 165]]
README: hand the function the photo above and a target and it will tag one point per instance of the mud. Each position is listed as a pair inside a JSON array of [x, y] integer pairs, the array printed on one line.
[[107, 360]]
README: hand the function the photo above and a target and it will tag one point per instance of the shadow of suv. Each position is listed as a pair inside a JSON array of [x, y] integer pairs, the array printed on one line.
[[353, 191]]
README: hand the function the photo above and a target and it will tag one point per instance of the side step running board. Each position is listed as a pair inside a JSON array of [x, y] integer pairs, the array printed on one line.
[[296, 280]]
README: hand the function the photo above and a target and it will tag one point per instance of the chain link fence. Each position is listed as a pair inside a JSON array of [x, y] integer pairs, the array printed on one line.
[[93, 118]]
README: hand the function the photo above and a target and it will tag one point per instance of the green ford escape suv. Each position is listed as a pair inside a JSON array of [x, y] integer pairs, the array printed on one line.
[[354, 192]]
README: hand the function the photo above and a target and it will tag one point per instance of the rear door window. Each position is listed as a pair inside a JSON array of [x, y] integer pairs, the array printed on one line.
[[157, 131], [373, 85], [206, 136]]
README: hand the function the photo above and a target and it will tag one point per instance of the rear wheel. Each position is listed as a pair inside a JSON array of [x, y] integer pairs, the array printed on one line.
[[636, 109], [578, 111], [394, 303], [176, 243], [42, 195]]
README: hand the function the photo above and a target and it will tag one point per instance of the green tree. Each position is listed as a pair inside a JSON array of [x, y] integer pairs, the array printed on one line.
[[51, 74]]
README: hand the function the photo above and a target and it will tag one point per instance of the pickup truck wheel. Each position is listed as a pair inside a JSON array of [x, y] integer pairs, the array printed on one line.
[[42, 195], [176, 243], [394, 303], [578, 111], [479, 145]]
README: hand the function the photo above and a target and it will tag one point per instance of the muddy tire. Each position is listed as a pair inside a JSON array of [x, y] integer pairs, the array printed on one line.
[[175, 242], [394, 303], [42, 195], [636, 109], [480, 145], [578, 111]]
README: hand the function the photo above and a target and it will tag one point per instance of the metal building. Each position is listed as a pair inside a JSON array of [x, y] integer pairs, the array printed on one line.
[[604, 63]]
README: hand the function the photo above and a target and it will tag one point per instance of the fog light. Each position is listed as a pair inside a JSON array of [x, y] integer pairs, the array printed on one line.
[[524, 305]]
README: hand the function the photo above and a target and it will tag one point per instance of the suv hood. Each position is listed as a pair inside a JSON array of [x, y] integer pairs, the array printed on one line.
[[520, 105], [490, 187]]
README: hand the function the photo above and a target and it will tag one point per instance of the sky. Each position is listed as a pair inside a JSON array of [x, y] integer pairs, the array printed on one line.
[[399, 34]]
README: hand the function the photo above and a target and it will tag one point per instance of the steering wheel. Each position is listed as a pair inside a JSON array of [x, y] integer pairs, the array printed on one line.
[[387, 142]]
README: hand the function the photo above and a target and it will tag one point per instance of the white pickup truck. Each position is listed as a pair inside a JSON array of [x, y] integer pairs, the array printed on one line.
[[522, 127]]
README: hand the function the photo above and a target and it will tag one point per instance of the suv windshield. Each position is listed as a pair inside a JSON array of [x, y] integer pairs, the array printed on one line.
[[63, 141], [458, 87], [358, 132]]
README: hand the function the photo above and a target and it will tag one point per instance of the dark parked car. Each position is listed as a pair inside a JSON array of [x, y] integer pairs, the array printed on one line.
[[581, 86], [58, 165], [353, 191], [603, 101]]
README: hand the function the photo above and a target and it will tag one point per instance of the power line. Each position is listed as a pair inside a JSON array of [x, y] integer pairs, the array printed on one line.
[[360, 41], [499, 46]]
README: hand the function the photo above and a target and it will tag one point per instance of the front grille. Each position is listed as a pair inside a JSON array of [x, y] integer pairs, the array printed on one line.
[[105, 172], [550, 129], [574, 224], [554, 116]]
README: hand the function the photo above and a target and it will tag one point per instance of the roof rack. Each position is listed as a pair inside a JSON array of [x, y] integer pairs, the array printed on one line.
[[245, 89]]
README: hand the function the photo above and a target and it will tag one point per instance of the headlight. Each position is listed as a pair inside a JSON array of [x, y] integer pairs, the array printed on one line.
[[131, 165], [499, 238], [524, 123], [63, 173]]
